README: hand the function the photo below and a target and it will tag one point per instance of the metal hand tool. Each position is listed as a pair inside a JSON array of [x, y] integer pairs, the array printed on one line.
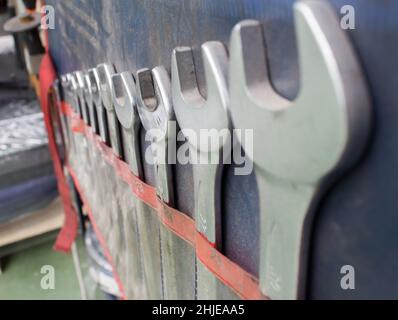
[[72, 99], [157, 117], [87, 99], [147, 222], [195, 113], [60, 95], [64, 86], [84, 95], [58, 119], [66, 82], [300, 146], [81, 106], [99, 107], [79, 78], [123, 97], [72, 92], [93, 100], [105, 72]]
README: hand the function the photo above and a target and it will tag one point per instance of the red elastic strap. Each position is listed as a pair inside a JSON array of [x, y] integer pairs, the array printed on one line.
[[241, 282], [67, 235]]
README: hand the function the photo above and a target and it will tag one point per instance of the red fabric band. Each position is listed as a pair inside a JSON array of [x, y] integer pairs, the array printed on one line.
[[241, 282], [68, 232]]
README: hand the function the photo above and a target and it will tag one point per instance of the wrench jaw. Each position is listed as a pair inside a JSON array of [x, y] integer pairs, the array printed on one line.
[[195, 113], [72, 89], [88, 99], [57, 88], [123, 98], [192, 110], [330, 53], [95, 105], [112, 130], [63, 82], [300, 146], [67, 93], [79, 76]]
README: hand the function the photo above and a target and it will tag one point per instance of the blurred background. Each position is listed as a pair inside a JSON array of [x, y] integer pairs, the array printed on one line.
[[31, 213]]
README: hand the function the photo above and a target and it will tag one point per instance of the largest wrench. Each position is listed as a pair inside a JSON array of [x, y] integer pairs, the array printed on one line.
[[195, 113], [300, 146]]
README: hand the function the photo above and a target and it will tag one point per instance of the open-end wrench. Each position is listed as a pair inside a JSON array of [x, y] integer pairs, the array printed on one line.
[[87, 98], [59, 86], [195, 113], [99, 106], [123, 98], [65, 85], [105, 72], [79, 76], [300, 146], [72, 89], [157, 117], [147, 222], [58, 119], [69, 97], [93, 100]]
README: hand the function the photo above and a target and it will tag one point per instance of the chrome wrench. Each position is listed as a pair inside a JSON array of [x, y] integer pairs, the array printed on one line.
[[123, 97], [88, 99], [80, 81], [93, 100], [105, 72], [72, 93], [195, 113], [60, 94], [300, 146], [157, 117]]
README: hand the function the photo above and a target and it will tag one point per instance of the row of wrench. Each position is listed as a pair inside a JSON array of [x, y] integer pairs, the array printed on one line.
[[300, 147]]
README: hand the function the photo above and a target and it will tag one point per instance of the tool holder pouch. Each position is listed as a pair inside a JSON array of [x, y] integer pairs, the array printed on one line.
[[111, 206]]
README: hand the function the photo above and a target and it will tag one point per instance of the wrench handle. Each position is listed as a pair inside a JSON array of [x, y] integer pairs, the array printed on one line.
[[163, 171], [207, 188], [286, 209], [114, 132], [131, 150], [134, 274], [103, 125]]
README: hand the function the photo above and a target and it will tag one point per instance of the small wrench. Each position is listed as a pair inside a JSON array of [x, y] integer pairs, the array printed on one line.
[[105, 72], [58, 86], [195, 113], [123, 97], [80, 81], [157, 117], [72, 92], [66, 84], [58, 120], [300, 146], [87, 98], [93, 100]]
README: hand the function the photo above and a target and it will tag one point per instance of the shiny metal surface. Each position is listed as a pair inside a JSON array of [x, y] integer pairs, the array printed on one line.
[[300, 146]]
